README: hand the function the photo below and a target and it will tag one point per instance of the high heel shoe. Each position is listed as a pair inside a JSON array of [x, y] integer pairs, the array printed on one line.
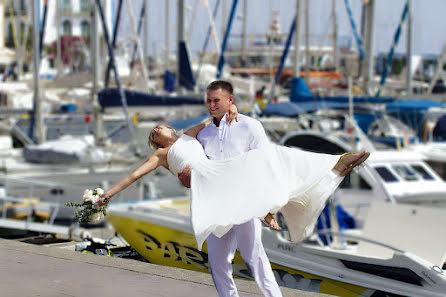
[[346, 168], [271, 224]]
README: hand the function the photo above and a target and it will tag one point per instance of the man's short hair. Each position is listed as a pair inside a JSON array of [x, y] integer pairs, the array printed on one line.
[[221, 84]]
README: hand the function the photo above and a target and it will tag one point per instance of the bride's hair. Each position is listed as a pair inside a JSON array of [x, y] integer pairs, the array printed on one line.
[[152, 144]]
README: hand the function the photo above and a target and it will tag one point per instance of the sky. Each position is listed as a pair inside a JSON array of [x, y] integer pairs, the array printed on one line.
[[428, 22]]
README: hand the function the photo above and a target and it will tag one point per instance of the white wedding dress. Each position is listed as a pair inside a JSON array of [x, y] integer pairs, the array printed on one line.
[[233, 191]]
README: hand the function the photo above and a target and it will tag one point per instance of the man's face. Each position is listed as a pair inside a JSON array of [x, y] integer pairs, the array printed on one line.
[[218, 102]]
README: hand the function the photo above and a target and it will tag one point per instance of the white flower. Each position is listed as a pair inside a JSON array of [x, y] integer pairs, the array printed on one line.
[[88, 196], [94, 200], [96, 217], [99, 191]]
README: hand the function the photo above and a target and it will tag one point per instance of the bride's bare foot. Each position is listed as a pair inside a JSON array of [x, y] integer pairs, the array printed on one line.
[[271, 222], [349, 161]]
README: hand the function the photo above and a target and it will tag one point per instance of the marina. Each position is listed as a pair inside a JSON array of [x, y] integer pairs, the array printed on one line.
[[83, 82]]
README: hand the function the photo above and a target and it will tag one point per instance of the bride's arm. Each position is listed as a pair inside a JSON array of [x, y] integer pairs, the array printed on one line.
[[157, 159], [193, 132], [232, 115]]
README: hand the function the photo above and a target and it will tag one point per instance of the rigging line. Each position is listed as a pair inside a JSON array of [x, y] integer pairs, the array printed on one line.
[[113, 67], [115, 33], [396, 38], [285, 52], [135, 44], [206, 41], [13, 24], [221, 60], [42, 28], [355, 30]]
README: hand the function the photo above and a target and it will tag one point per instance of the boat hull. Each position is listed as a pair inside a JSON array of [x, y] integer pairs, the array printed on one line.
[[163, 245]]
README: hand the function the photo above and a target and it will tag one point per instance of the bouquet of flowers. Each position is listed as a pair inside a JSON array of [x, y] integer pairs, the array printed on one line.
[[90, 211]]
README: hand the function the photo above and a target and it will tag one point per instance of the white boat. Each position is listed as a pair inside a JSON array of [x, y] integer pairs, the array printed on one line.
[[404, 257], [59, 171], [161, 232]]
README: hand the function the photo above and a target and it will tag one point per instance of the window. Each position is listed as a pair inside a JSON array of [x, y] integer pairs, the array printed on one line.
[[66, 6], [405, 172], [421, 171], [66, 27], [385, 174], [85, 28], [23, 6], [85, 5]]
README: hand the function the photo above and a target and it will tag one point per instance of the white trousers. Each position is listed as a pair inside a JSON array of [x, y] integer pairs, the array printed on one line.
[[247, 238]]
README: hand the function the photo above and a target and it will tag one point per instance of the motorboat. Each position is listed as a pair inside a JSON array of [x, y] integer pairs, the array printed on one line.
[[359, 264]]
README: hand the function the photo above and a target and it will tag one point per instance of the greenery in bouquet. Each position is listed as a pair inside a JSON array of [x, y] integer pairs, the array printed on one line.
[[90, 211]]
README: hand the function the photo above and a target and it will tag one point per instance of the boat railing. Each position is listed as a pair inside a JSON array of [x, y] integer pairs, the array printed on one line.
[[343, 236], [30, 205]]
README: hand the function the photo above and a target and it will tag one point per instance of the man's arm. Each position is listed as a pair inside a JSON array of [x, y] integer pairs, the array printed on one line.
[[184, 176]]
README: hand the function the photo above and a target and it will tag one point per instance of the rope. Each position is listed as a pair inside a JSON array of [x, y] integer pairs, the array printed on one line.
[[396, 38]]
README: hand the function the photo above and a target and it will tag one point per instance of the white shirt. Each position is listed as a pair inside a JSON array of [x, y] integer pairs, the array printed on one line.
[[230, 140]]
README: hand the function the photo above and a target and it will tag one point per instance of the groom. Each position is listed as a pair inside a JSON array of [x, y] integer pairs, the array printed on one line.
[[222, 140]]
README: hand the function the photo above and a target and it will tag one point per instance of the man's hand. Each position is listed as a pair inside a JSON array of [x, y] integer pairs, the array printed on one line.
[[184, 176]]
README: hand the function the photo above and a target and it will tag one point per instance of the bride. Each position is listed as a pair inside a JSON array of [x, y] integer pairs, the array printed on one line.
[[273, 178]]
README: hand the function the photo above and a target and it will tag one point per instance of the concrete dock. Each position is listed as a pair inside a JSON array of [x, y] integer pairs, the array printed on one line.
[[32, 270]]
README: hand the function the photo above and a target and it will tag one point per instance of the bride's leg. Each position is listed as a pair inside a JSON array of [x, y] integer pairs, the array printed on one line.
[[270, 220], [349, 161]]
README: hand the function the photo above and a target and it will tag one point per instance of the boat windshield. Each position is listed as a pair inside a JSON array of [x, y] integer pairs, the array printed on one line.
[[405, 172], [422, 171], [385, 174]]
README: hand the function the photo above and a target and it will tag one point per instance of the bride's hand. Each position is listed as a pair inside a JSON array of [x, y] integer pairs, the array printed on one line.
[[103, 200], [232, 113]]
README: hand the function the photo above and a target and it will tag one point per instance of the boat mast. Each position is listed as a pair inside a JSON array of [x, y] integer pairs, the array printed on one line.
[[167, 34], [137, 45], [94, 48], [58, 41], [192, 20], [367, 69], [409, 50], [335, 35], [307, 41], [297, 40], [180, 38], [38, 110], [245, 13], [224, 17], [146, 31]]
